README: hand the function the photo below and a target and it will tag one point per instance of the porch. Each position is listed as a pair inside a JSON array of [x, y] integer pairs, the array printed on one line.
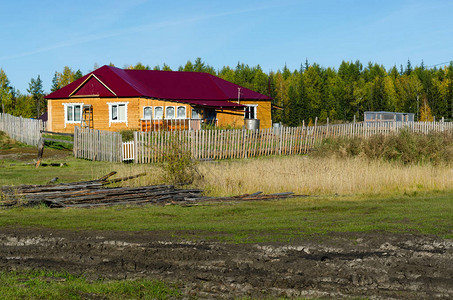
[[174, 124]]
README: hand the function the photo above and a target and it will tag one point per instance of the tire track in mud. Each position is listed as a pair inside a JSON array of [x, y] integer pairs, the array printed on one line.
[[375, 265]]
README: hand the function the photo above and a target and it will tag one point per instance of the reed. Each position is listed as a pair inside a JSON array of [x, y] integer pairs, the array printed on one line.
[[305, 175]]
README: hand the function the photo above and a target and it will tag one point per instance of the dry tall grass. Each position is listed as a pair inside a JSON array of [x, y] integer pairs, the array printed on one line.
[[304, 175], [307, 175]]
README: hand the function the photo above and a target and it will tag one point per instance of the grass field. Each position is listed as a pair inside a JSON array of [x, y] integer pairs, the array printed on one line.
[[283, 220], [343, 195], [54, 285], [299, 174]]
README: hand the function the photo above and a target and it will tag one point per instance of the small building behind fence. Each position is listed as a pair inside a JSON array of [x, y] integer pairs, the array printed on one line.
[[387, 116]]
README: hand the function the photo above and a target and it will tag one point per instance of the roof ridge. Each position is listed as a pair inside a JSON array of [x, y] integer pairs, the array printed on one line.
[[130, 81], [243, 88], [213, 80]]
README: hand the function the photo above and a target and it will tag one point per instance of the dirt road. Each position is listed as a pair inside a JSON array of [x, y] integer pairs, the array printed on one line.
[[376, 265]]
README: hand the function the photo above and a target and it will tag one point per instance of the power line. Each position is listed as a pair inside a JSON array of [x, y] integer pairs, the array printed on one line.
[[443, 63]]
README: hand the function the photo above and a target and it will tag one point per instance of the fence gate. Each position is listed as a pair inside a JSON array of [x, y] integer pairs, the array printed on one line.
[[128, 151]]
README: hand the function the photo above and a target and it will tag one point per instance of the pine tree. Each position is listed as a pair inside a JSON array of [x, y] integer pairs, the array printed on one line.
[[188, 67], [408, 68], [37, 93], [78, 74], [55, 85], [166, 67], [199, 65]]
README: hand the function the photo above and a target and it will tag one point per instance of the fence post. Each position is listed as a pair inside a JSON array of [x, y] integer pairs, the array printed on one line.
[[135, 147]]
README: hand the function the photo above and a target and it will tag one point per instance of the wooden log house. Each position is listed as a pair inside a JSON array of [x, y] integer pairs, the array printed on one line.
[[114, 99]]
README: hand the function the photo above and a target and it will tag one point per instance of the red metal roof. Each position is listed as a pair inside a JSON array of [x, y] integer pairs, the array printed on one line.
[[187, 87]]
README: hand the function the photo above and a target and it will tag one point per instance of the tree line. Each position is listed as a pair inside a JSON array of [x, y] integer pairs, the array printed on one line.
[[33, 104], [310, 92]]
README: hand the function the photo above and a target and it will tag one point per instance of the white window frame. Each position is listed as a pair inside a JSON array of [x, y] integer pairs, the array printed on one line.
[[150, 107], [111, 104], [66, 121], [165, 114], [154, 113], [255, 110], [185, 112]]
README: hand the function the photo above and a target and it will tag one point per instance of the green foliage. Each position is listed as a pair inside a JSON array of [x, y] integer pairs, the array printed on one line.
[[66, 77], [425, 112], [127, 135], [405, 147], [44, 284], [6, 96], [178, 166], [24, 105], [140, 66], [37, 93], [7, 143], [310, 91]]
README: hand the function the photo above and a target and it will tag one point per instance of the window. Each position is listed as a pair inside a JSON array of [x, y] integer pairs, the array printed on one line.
[[147, 112], [73, 112], [196, 113], [170, 112], [181, 112], [158, 112], [117, 112], [369, 116], [387, 117], [250, 111]]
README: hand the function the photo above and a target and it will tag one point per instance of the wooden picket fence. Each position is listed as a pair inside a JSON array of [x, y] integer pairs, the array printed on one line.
[[152, 146], [227, 144], [24, 130], [97, 145], [128, 151]]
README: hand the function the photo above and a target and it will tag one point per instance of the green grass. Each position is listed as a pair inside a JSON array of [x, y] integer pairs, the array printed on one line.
[[52, 285], [16, 172], [282, 220], [428, 212], [58, 145]]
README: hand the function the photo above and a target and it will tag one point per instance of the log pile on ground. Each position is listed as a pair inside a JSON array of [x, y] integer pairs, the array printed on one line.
[[95, 193]]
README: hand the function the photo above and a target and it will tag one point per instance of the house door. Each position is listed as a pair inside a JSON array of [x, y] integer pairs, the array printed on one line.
[[87, 117], [210, 116]]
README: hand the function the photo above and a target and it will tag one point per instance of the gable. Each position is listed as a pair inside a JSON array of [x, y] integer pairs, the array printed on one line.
[[93, 87]]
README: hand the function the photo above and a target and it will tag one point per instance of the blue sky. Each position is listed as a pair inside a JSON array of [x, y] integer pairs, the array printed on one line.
[[41, 37]]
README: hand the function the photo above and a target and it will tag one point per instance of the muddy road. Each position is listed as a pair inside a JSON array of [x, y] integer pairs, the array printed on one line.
[[373, 265]]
